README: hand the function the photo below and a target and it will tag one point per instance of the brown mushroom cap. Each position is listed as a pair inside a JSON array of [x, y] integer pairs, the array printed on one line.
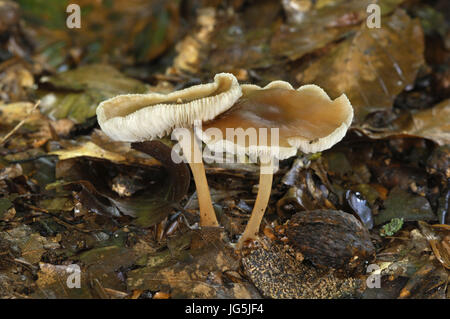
[[141, 117], [307, 119]]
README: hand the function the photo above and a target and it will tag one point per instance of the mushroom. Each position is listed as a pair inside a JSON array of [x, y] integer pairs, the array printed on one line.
[[144, 117], [305, 119]]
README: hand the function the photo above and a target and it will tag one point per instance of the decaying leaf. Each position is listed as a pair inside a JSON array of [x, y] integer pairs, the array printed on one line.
[[72, 199], [32, 245], [191, 48], [439, 238], [104, 263], [201, 272], [154, 191], [52, 282], [432, 123], [401, 204], [75, 94], [113, 30], [373, 65], [313, 27]]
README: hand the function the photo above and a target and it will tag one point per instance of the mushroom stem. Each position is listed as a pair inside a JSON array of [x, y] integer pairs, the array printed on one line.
[[262, 199], [191, 147]]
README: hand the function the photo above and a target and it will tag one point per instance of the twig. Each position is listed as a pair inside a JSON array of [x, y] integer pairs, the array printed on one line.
[[59, 220], [20, 123]]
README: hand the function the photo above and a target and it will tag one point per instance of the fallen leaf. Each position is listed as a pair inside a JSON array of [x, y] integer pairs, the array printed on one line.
[[432, 123], [162, 187], [372, 66], [52, 282], [111, 30], [196, 274], [75, 94], [401, 204]]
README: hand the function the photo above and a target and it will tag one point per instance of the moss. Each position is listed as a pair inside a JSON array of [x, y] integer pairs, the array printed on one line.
[[392, 227]]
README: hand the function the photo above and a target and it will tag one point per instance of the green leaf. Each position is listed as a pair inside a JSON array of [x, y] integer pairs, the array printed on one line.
[[392, 227]]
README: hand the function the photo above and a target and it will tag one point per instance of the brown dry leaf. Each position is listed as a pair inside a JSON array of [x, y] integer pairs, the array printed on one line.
[[373, 66], [89, 149]]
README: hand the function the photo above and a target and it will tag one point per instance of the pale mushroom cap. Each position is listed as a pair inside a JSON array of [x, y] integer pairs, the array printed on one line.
[[306, 118], [141, 117]]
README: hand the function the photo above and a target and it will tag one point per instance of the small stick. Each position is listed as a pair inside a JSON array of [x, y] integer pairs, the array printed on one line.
[[20, 123]]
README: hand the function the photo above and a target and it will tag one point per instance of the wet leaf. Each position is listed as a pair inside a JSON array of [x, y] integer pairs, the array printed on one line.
[[370, 192], [313, 26], [5, 204], [242, 41], [176, 185], [32, 245], [52, 283], [104, 263], [372, 66], [201, 274], [439, 238], [112, 30], [427, 282], [401, 204], [432, 123], [313, 29], [161, 189], [75, 94]]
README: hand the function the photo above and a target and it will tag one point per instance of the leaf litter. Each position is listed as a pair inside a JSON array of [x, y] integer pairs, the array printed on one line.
[[128, 217]]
